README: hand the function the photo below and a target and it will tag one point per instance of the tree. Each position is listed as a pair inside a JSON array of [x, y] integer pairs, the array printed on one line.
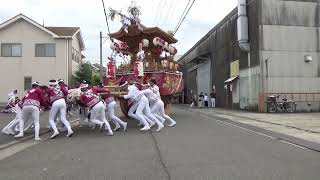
[[96, 79], [84, 73]]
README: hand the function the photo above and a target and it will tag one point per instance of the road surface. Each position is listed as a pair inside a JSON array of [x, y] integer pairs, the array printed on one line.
[[199, 147]]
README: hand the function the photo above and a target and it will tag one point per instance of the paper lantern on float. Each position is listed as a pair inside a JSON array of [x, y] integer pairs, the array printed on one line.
[[173, 50], [114, 46], [162, 43], [145, 43], [156, 41], [123, 46]]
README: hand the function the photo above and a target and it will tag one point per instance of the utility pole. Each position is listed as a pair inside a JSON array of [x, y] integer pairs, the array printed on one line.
[[101, 75]]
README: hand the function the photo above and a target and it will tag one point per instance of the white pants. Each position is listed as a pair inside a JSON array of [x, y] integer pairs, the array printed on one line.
[[27, 112], [158, 108], [59, 106], [131, 113], [98, 116], [150, 116], [213, 102], [110, 114], [84, 121], [138, 107], [12, 124]]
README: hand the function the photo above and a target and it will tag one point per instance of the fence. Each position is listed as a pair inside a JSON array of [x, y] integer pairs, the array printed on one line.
[[306, 102]]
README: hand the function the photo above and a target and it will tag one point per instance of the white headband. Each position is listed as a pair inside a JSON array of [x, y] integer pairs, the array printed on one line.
[[35, 83], [124, 84], [83, 86], [53, 83]]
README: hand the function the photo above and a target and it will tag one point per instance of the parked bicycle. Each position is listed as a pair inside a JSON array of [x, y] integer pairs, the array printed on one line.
[[275, 105]]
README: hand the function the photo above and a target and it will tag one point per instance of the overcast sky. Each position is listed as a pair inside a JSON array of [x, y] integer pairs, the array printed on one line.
[[88, 15]]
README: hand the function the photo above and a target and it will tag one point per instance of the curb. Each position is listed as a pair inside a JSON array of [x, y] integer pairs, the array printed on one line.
[[278, 136], [12, 143], [258, 120], [283, 125]]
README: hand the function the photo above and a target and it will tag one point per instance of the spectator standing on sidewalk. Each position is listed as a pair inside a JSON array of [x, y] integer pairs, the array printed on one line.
[[206, 100], [192, 99], [201, 100], [213, 98]]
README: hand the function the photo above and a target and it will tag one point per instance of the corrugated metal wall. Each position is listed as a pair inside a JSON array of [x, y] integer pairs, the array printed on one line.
[[221, 45], [203, 76]]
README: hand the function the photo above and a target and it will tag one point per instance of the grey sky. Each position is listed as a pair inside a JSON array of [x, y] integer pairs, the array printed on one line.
[[88, 15]]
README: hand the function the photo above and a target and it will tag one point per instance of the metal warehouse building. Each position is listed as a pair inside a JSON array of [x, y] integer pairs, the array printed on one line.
[[262, 47]]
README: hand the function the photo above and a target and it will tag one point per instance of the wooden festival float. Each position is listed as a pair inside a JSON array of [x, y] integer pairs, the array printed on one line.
[[147, 53]]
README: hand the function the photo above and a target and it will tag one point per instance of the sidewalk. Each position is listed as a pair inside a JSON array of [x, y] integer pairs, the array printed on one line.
[[305, 126]]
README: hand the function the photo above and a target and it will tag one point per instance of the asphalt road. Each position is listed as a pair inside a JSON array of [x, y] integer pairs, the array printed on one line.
[[198, 148], [5, 118]]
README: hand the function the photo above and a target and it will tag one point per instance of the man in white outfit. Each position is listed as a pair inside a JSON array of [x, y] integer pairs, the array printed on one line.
[[31, 103], [56, 94], [157, 106], [139, 103], [110, 107], [10, 128], [97, 108], [142, 107], [147, 111], [111, 115], [153, 86]]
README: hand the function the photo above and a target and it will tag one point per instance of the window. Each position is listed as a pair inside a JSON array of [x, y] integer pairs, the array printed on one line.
[[46, 50], [11, 49], [27, 83]]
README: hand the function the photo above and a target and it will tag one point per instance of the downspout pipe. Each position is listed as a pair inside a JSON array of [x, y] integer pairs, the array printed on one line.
[[243, 40], [67, 59], [242, 22]]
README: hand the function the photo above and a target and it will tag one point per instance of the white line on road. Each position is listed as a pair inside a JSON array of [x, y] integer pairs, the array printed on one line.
[[265, 135], [292, 144], [16, 146]]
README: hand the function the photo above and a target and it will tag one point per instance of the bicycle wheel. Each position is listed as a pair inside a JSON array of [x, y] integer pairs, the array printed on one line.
[[271, 107], [291, 107]]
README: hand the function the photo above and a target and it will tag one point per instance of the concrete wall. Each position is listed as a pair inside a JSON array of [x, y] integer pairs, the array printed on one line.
[[249, 80], [42, 69], [289, 31]]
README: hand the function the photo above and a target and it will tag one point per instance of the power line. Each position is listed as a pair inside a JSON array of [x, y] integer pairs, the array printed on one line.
[[184, 17], [105, 14], [154, 22], [166, 17], [164, 5], [171, 15], [182, 14]]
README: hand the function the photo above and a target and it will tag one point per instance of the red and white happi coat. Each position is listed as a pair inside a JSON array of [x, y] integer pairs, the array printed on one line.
[[89, 98], [57, 93], [34, 97]]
